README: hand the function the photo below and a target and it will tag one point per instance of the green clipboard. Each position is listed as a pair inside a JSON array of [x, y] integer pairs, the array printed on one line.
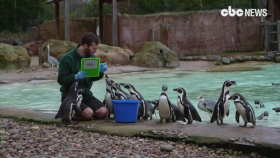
[[91, 66]]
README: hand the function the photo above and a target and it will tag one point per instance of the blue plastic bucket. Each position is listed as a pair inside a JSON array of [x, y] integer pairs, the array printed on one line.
[[125, 111]]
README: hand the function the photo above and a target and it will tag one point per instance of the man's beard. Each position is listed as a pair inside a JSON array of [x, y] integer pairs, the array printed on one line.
[[87, 53]]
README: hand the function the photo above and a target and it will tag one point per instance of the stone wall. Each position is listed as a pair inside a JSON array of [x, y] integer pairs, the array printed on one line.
[[193, 32], [200, 32], [77, 29]]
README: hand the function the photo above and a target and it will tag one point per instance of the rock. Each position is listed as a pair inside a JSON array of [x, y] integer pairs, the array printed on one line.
[[46, 65], [239, 59], [232, 60], [255, 58], [35, 128], [182, 57], [267, 58], [167, 148], [196, 58], [232, 139], [189, 58], [253, 155], [218, 63], [13, 57], [204, 148], [247, 58], [156, 54], [107, 54], [261, 58], [226, 60], [204, 58], [32, 46], [271, 55], [277, 59], [213, 57]]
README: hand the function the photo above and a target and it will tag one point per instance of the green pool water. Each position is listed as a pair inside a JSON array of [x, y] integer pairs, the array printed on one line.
[[252, 84]]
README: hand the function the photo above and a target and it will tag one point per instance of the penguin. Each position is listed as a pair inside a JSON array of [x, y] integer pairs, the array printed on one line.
[[119, 93], [206, 105], [109, 96], [164, 107], [177, 115], [263, 116], [277, 110], [276, 84], [244, 109], [258, 104], [186, 107], [71, 104], [142, 108], [149, 109], [222, 106]]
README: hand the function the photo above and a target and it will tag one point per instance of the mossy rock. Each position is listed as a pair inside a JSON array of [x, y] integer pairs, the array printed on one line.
[[156, 54], [108, 54], [13, 57]]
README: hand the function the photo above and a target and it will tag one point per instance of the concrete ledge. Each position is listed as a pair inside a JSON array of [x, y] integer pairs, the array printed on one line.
[[206, 133]]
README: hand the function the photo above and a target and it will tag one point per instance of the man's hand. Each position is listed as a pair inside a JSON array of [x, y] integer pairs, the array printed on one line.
[[103, 67], [80, 75]]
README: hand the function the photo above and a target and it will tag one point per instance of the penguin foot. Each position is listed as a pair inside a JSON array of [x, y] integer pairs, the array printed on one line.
[[252, 126]]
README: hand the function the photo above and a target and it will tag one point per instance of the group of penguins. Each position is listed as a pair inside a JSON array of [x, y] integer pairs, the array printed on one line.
[[183, 111]]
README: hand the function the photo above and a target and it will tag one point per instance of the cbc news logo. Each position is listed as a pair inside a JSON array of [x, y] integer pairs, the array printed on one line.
[[239, 12]]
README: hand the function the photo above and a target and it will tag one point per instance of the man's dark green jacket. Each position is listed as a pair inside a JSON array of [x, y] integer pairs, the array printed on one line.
[[69, 66]]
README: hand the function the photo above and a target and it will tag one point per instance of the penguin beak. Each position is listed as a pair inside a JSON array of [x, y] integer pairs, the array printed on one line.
[[122, 84], [233, 83], [230, 98], [106, 76], [196, 98], [176, 89]]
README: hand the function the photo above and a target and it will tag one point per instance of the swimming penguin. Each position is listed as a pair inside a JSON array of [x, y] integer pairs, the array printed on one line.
[[222, 106], [142, 108], [258, 104], [186, 107], [206, 105], [263, 116], [109, 96], [276, 84], [164, 106], [277, 110], [244, 109], [177, 115], [119, 93], [71, 104]]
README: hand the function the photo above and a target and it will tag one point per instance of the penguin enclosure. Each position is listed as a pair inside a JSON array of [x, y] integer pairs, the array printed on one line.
[[253, 85]]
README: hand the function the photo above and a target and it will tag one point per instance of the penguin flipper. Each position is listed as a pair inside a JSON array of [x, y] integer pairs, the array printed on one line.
[[177, 113], [215, 114], [187, 114], [59, 115], [195, 114], [249, 115], [237, 116], [104, 102], [75, 108], [155, 107], [228, 112]]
